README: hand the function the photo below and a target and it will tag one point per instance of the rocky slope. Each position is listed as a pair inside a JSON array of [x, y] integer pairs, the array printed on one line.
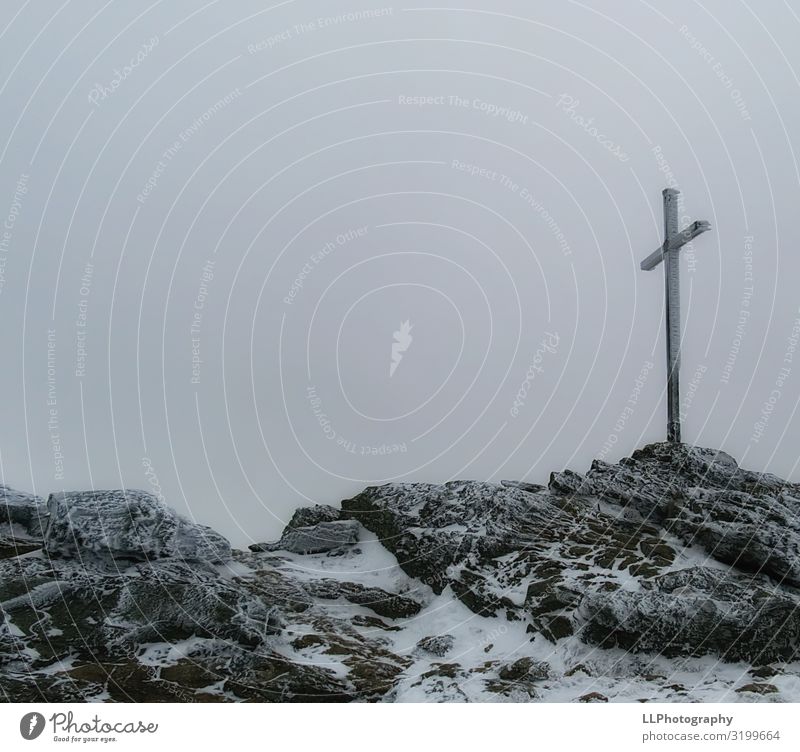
[[671, 576]]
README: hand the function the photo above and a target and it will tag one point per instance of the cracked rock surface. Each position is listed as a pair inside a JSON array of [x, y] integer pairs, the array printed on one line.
[[672, 575]]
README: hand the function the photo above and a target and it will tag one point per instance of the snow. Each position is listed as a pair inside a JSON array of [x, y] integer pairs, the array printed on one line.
[[616, 674]]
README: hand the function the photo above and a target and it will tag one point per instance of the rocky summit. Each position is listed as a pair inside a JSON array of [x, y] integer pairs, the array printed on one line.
[[673, 575]]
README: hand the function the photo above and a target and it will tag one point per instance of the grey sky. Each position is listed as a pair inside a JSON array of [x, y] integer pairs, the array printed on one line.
[[273, 191]]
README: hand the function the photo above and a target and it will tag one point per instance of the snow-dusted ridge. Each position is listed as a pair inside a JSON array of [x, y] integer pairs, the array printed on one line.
[[671, 576]]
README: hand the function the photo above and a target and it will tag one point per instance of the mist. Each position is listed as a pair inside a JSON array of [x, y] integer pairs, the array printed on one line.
[[254, 258]]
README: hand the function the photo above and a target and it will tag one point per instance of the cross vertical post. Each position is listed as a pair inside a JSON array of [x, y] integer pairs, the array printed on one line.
[[669, 253], [672, 295]]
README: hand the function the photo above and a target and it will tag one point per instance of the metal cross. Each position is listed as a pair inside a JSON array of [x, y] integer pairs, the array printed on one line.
[[669, 254]]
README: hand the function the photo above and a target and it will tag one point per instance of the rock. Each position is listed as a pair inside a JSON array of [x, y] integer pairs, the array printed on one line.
[[314, 539], [22, 514], [444, 681], [580, 668], [653, 477], [273, 678], [608, 567], [390, 605], [759, 689], [524, 669], [568, 482], [308, 516], [522, 486], [12, 649], [746, 519], [593, 697], [10, 547], [170, 605], [391, 511], [373, 622], [691, 465], [71, 630], [438, 645], [752, 532], [764, 672], [127, 525], [482, 539], [307, 641], [694, 612]]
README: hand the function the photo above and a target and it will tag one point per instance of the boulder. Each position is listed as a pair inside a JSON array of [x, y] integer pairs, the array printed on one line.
[[593, 697], [164, 605], [307, 516], [754, 533], [759, 689], [22, 515], [127, 525], [696, 611], [383, 603], [438, 645], [569, 483], [524, 669], [314, 539], [653, 478]]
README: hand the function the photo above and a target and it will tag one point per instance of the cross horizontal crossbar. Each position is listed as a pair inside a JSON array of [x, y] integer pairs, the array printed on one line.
[[676, 241]]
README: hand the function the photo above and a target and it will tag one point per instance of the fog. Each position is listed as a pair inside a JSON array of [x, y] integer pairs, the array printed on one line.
[[218, 215]]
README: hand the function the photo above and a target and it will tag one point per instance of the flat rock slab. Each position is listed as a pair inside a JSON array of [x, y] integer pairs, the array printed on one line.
[[390, 605], [314, 539], [11, 547]]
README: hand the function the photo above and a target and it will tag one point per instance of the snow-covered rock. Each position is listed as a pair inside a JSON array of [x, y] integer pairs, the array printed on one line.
[[314, 539], [376, 599], [127, 525], [21, 514], [697, 611], [598, 556], [755, 532], [670, 576], [307, 516], [438, 645]]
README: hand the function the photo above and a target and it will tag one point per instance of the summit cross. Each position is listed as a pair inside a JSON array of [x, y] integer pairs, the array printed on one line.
[[669, 254]]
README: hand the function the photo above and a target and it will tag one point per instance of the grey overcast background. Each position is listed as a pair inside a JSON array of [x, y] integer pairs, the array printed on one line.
[[218, 214]]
